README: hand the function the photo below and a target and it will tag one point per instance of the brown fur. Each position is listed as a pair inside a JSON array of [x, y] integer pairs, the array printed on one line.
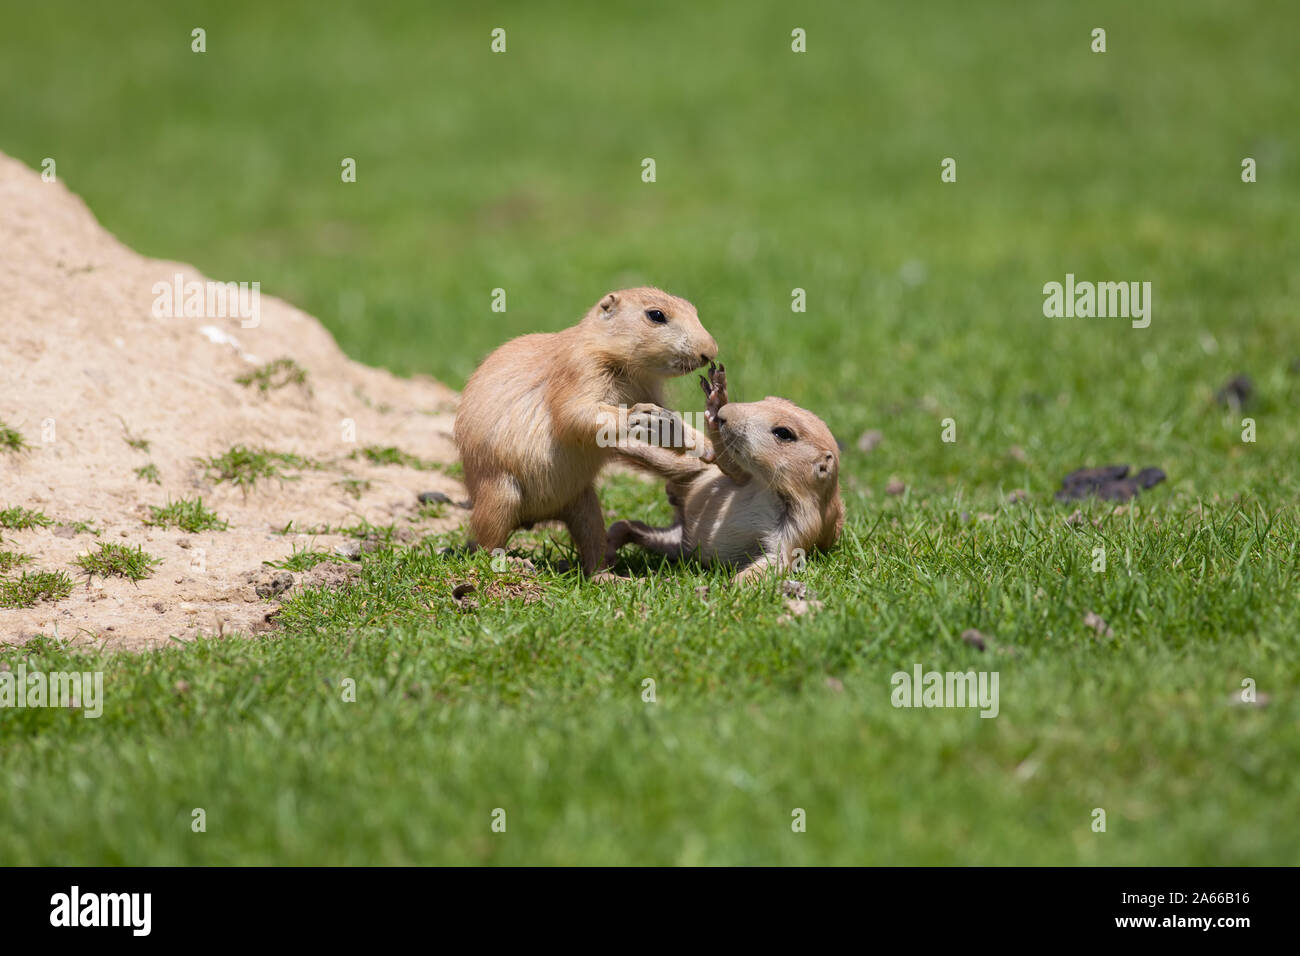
[[751, 502], [531, 414]]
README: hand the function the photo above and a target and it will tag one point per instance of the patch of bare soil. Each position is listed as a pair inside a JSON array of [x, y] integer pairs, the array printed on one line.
[[89, 371]]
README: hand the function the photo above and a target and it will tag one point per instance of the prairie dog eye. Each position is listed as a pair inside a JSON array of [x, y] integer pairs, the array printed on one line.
[[784, 434], [654, 315]]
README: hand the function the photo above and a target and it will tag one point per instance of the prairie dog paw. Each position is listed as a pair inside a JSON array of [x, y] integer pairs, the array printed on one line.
[[656, 426], [715, 392]]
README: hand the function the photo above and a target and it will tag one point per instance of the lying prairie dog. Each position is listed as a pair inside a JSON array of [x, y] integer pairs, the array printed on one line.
[[532, 417], [766, 487]]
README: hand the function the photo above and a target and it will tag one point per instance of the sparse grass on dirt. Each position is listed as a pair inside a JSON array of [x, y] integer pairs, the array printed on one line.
[[244, 467], [11, 440], [355, 486], [292, 528], [30, 588], [10, 560], [430, 511], [118, 560], [83, 527], [149, 473], [17, 518], [191, 516], [275, 375], [388, 455], [305, 560], [139, 444]]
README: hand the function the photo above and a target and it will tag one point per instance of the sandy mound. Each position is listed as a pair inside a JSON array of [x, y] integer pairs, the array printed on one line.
[[88, 363]]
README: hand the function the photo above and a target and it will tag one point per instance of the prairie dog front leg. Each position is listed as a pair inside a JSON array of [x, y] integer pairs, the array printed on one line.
[[715, 396]]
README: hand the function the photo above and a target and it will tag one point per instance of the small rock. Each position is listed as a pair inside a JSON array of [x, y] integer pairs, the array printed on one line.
[[1076, 517], [278, 584], [460, 594], [895, 487], [1017, 496], [835, 684], [1098, 624], [64, 531], [1017, 453], [794, 589], [1110, 483], [868, 440], [1236, 392], [974, 638], [349, 549]]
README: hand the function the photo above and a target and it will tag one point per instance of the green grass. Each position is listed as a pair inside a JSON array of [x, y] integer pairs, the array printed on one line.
[[83, 527], [354, 486], [149, 473], [136, 442], [31, 588], [276, 375], [118, 560], [430, 511], [388, 455], [20, 519], [9, 560], [776, 172], [305, 559], [187, 515], [11, 440], [244, 467]]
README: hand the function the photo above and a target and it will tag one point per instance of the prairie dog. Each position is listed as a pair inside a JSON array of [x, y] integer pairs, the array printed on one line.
[[531, 413], [768, 487]]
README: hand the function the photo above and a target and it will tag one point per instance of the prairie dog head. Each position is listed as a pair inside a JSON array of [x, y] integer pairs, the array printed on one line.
[[786, 447], [648, 333]]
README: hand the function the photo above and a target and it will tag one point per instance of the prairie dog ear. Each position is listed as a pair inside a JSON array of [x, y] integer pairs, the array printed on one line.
[[608, 303]]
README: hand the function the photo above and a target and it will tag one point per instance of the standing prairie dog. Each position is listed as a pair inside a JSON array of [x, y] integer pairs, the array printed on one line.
[[767, 488], [530, 415]]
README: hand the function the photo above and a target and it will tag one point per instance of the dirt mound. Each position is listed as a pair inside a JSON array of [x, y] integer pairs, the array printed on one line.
[[113, 363]]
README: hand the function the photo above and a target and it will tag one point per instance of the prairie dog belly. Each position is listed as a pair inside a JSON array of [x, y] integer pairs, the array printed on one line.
[[729, 523]]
